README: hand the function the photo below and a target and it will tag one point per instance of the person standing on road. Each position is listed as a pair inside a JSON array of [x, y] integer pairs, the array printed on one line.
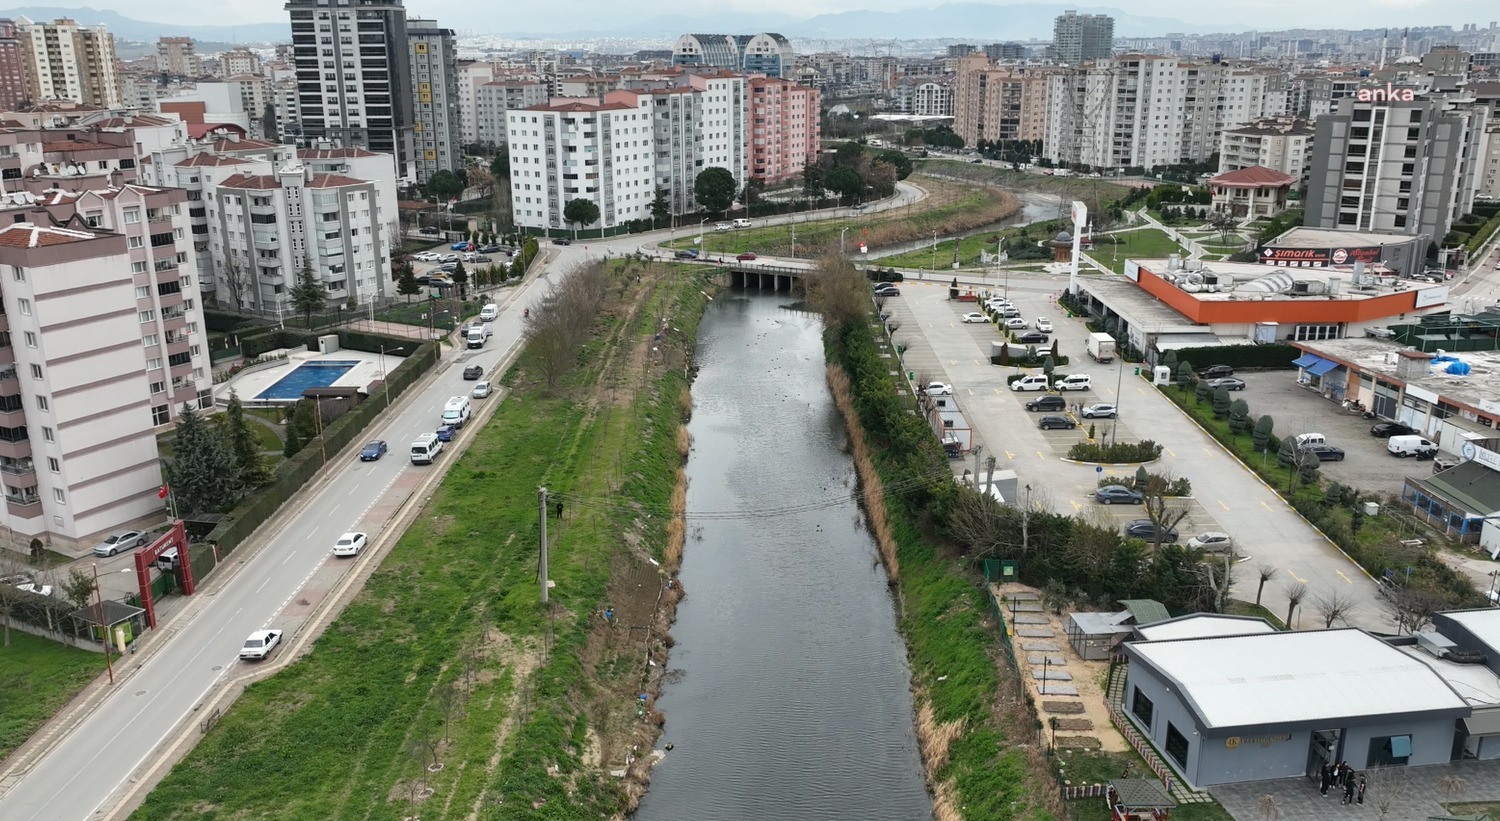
[[1348, 789], [1326, 779]]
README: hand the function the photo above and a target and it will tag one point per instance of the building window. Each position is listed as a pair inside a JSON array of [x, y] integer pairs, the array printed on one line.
[[149, 340], [146, 316], [161, 414], [54, 465], [136, 242], [41, 403], [30, 339], [158, 387], [1389, 750], [1177, 746], [143, 291], [137, 267], [48, 435], [132, 216], [1142, 707], [57, 494], [24, 305], [19, 273], [153, 364], [36, 371]]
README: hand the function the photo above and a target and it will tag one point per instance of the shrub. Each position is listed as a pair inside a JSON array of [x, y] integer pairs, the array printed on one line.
[[1270, 357], [1118, 452]]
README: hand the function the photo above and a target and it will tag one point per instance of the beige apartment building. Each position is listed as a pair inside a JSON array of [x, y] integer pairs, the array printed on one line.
[[996, 103], [67, 61]]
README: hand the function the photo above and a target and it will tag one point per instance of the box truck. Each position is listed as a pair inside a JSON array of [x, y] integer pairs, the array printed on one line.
[[1101, 347]]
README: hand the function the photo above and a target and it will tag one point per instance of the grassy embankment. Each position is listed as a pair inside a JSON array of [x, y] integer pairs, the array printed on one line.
[[38, 676], [947, 208], [444, 688], [1146, 243]]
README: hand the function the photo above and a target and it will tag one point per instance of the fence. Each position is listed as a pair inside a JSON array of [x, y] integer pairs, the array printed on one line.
[[1141, 746], [1084, 791]]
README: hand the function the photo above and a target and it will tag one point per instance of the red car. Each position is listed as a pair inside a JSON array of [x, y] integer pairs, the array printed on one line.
[[746, 257]]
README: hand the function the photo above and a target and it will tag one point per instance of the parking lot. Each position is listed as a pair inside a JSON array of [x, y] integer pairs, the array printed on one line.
[[1226, 496]]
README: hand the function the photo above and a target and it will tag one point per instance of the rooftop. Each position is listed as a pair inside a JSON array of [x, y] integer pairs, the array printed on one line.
[[1215, 281], [1295, 677], [1304, 237], [333, 153], [1146, 312], [1204, 625], [1253, 177], [29, 235], [1480, 387]]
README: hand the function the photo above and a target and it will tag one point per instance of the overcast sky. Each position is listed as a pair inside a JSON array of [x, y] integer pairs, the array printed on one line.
[[568, 15]]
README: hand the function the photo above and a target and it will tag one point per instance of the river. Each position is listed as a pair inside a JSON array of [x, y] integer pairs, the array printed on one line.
[[788, 692]]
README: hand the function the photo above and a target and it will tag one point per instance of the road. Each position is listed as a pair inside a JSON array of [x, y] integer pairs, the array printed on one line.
[[86, 769]]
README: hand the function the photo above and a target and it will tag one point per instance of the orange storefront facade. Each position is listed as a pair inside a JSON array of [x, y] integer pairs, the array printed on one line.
[[1285, 310]]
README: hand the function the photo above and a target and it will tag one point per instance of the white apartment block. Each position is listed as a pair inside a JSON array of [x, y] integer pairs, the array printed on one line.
[[239, 61], [471, 75], [284, 97], [138, 91], [493, 100], [571, 149], [1280, 143], [106, 345], [178, 56], [700, 122], [434, 89], [1489, 170], [66, 61], [926, 98]]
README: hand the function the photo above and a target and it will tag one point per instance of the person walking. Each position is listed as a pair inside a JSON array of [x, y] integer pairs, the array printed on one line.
[[1348, 789], [1326, 779], [1360, 797]]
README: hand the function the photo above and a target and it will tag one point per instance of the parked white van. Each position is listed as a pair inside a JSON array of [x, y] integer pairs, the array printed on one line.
[[456, 412], [1405, 446], [742, 223], [1075, 382], [1304, 439], [425, 449], [1033, 382], [489, 312]]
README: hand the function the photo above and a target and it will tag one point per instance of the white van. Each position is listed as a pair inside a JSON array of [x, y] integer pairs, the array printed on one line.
[[477, 335], [1075, 382], [1033, 382], [742, 223], [1304, 439], [489, 312], [456, 412], [1405, 446], [426, 449]]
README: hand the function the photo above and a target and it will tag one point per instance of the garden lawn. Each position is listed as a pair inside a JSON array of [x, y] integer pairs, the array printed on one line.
[[38, 676], [451, 619], [1143, 243]]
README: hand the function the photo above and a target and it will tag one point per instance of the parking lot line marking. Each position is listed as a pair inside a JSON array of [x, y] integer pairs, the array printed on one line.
[[997, 392], [1221, 504], [1010, 456], [1040, 456], [1266, 506], [1169, 452], [1295, 576], [1077, 507], [1345, 578], [1207, 451]]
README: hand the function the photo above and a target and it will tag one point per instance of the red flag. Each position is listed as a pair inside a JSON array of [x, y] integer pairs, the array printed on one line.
[[162, 494]]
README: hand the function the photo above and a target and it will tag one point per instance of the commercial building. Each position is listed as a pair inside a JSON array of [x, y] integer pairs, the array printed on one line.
[[354, 75], [436, 143], [178, 56], [768, 54], [1279, 143], [786, 128], [67, 61], [999, 103], [493, 100], [1404, 167], [13, 90], [1078, 37]]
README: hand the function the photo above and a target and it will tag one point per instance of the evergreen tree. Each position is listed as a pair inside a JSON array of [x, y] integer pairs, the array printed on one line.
[[308, 294], [243, 445], [202, 474], [661, 207], [406, 282], [461, 279]]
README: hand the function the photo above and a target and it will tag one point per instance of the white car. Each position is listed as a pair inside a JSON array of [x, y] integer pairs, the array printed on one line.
[[1014, 323], [426, 256], [1098, 410], [350, 544], [1044, 324], [974, 317], [1213, 541], [997, 302], [481, 390], [260, 644], [938, 389]]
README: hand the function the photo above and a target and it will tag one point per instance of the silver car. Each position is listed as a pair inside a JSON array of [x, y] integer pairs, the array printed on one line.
[[129, 540]]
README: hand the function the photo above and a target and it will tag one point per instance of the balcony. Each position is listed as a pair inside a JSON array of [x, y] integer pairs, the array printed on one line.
[[12, 447], [17, 467], [25, 506]]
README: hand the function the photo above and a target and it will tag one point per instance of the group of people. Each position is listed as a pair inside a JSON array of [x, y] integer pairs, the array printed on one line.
[[1342, 777]]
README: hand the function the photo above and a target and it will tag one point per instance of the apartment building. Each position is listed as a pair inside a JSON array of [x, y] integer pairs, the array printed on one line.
[[1489, 171], [493, 100], [999, 103], [12, 66], [435, 100], [241, 100], [353, 61], [1078, 37], [239, 61], [571, 149], [1395, 166], [700, 122], [786, 128], [926, 97], [471, 75], [766, 53], [1279, 143], [104, 345], [178, 56], [138, 90], [67, 61]]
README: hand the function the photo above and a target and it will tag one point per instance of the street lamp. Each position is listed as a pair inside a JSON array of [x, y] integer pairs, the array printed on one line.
[[1114, 426], [842, 232], [383, 381], [934, 253], [109, 664]]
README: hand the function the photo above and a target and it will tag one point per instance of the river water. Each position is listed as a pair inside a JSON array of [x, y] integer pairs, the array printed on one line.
[[788, 691]]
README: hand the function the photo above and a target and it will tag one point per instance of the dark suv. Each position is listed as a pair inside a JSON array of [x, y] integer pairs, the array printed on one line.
[[1056, 422], [1051, 402], [473, 372]]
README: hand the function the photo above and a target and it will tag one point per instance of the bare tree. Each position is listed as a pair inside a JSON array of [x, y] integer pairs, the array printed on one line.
[[837, 291], [1165, 512], [1452, 786], [449, 700], [1267, 808], [235, 278], [1295, 593], [562, 322], [1265, 571], [1384, 788], [1412, 607], [983, 525], [1217, 580], [1334, 605]]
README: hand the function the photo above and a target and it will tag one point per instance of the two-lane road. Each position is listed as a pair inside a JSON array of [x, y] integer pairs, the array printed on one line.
[[85, 771]]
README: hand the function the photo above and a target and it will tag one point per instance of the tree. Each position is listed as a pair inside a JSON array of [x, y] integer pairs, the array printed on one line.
[[500, 165], [202, 473], [1239, 416], [406, 282], [1295, 593], [1185, 374], [812, 180], [1165, 512], [581, 212], [714, 188], [268, 123], [1264, 571], [243, 445], [461, 279], [308, 294], [1222, 402], [481, 178], [899, 161], [1261, 435], [750, 194], [1223, 222], [233, 275], [1202, 392], [445, 185], [1333, 605], [661, 206], [845, 181], [882, 178], [838, 292]]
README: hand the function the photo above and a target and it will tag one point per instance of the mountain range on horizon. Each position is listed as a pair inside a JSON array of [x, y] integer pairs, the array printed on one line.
[[969, 21]]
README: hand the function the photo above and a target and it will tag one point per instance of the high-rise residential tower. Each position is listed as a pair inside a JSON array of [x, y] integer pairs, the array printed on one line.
[[67, 61], [435, 135], [1078, 37]]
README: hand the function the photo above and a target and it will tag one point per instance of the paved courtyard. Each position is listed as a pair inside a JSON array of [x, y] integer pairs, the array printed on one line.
[[1394, 794]]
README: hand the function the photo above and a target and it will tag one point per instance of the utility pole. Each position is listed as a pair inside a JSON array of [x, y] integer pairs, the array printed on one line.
[[542, 567], [977, 449], [1026, 523], [318, 419], [990, 463]]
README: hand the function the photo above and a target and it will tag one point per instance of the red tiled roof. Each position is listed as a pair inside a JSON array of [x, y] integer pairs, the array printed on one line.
[[332, 181], [252, 181], [208, 159], [1253, 177], [27, 235], [332, 153], [77, 145], [242, 145], [198, 131]]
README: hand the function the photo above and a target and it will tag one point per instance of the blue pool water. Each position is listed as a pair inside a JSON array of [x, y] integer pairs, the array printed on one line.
[[318, 374]]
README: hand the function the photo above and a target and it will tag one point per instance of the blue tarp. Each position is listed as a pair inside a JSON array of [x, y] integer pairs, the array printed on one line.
[[1323, 367], [1307, 360]]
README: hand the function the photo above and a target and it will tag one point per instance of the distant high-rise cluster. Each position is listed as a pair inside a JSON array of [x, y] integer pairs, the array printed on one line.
[[1078, 37]]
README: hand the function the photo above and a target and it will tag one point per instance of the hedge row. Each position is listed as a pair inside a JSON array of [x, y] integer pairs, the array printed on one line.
[[294, 473], [1270, 357]]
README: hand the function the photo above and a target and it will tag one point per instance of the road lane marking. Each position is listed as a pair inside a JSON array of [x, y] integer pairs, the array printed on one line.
[[1221, 504], [1076, 506], [1266, 506], [1295, 576], [264, 583], [1169, 452], [1040, 456], [1345, 578]]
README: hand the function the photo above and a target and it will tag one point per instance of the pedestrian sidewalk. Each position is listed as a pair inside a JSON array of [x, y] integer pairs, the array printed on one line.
[[1391, 793]]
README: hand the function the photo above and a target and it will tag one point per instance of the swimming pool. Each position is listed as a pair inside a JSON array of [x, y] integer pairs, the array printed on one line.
[[318, 374]]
